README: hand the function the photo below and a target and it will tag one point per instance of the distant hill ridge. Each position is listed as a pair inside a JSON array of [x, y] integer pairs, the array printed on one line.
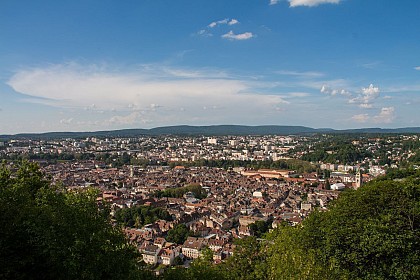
[[211, 130]]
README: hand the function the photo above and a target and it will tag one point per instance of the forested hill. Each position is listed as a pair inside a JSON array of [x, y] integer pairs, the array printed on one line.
[[212, 130]]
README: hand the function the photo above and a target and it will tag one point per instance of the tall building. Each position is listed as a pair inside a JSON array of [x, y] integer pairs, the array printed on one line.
[[359, 179]]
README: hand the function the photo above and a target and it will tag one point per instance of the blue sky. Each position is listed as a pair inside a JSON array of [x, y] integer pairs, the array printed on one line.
[[97, 65]]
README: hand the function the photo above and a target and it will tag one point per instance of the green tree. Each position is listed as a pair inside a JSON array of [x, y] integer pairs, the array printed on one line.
[[370, 233], [248, 260], [178, 234], [47, 232], [260, 227]]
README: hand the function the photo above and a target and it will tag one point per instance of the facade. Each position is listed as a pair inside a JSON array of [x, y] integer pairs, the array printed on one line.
[[192, 247]]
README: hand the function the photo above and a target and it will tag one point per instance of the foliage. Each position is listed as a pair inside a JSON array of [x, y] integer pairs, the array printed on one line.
[[47, 232], [178, 234], [139, 216], [248, 260], [336, 151], [201, 268], [198, 191], [371, 233], [259, 228], [291, 164]]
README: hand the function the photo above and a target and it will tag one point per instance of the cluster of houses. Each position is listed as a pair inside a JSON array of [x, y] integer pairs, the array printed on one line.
[[235, 200]]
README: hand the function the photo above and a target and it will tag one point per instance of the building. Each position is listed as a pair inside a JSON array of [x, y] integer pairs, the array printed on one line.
[[192, 247]]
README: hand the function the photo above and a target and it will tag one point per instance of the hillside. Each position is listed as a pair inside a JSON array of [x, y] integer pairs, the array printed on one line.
[[213, 130]]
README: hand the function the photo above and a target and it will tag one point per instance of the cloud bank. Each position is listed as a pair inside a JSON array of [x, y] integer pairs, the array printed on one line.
[[143, 93]]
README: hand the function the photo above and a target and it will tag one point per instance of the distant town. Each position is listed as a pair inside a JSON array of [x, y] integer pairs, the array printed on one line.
[[176, 196]]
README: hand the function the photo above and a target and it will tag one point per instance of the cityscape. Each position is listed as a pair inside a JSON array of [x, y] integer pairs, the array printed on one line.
[[210, 139], [215, 188]]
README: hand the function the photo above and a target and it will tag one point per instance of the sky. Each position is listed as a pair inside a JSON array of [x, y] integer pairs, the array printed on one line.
[[88, 65]]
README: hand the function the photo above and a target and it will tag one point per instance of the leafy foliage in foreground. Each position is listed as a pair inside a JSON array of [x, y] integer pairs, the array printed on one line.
[[49, 233]]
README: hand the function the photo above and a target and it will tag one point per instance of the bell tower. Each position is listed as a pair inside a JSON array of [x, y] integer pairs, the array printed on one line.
[[359, 179]]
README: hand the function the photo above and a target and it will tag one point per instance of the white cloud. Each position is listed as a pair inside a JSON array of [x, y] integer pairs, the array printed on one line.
[[207, 32], [274, 2], [333, 92], [204, 33], [151, 92], [219, 22], [361, 118], [367, 96], [385, 116], [311, 3], [366, 106], [417, 68], [232, 36], [233, 21], [124, 120]]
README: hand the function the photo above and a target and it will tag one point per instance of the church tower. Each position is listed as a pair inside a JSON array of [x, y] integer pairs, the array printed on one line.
[[359, 179]]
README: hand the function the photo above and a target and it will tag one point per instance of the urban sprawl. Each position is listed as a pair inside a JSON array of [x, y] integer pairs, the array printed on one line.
[[217, 188]]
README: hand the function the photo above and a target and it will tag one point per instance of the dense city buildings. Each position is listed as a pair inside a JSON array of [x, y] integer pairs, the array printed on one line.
[[221, 188]]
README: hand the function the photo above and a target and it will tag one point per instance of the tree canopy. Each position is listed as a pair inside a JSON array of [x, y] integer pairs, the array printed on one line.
[[370, 233], [47, 232]]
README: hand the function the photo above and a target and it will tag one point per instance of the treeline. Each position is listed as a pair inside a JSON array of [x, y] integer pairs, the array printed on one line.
[[196, 189], [139, 216], [336, 152], [300, 166]]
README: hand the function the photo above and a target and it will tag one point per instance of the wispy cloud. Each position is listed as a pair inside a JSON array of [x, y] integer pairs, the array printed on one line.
[[333, 92], [124, 120], [223, 21], [159, 92], [274, 2], [66, 121], [311, 3], [211, 27], [360, 118], [298, 94], [417, 68], [204, 33], [242, 36], [385, 116], [309, 74], [371, 65]]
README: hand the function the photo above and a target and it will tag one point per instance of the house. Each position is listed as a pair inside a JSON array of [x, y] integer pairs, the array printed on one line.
[[192, 247], [150, 254]]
